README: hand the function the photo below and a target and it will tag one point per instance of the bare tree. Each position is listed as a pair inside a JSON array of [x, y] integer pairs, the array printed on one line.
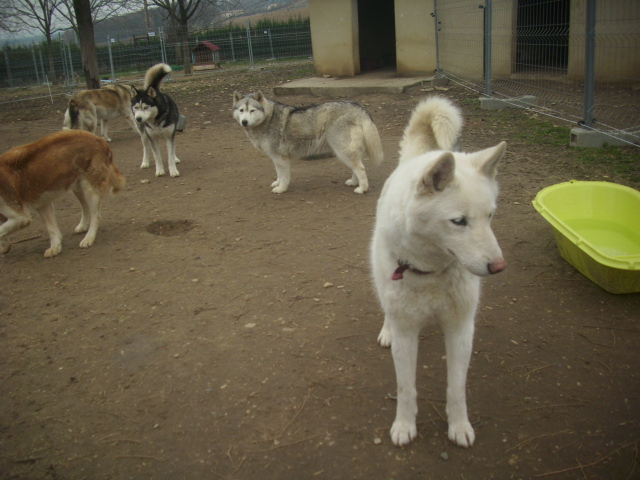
[[180, 13], [100, 10], [82, 10], [7, 21], [39, 15]]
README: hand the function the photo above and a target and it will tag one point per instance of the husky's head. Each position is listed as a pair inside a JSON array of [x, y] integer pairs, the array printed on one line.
[[144, 105], [450, 209], [249, 111]]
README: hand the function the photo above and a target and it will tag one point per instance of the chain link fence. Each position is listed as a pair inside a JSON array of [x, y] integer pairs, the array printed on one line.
[[35, 65], [563, 58]]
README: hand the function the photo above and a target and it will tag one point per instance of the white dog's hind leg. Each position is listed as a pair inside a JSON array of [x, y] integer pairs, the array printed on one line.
[[104, 129], [283, 170], [459, 343], [93, 203], [171, 153], [48, 215], [405, 356], [83, 226]]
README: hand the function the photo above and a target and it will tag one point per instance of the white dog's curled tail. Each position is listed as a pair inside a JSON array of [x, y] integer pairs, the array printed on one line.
[[155, 74], [372, 141], [435, 124]]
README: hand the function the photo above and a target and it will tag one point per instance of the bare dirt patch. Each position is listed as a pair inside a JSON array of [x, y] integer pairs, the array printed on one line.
[[217, 330]]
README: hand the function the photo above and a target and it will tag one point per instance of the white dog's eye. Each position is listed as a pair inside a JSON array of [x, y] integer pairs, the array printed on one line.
[[460, 222]]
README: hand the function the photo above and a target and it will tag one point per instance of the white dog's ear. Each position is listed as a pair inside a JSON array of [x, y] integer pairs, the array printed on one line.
[[439, 175], [259, 96], [487, 160], [237, 96]]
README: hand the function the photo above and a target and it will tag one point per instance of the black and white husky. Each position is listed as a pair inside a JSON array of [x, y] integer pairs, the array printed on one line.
[[157, 115]]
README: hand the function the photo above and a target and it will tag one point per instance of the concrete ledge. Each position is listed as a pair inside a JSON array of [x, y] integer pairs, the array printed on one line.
[[582, 137], [349, 87], [490, 103]]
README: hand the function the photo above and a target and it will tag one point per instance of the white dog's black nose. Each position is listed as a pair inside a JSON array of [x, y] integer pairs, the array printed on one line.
[[139, 120], [244, 123]]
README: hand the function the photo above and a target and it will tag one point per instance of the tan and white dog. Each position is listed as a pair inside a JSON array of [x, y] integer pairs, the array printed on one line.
[[431, 244], [33, 176], [88, 107]]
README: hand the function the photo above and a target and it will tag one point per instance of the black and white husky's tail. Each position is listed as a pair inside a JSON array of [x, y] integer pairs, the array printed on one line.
[[435, 124], [155, 74]]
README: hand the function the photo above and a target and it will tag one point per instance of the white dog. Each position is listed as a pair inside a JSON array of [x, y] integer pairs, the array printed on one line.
[[431, 244]]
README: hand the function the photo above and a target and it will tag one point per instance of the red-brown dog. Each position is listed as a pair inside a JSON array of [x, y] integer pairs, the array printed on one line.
[[33, 176]]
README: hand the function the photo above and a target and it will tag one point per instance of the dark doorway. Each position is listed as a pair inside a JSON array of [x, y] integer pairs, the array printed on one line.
[[377, 34], [542, 35]]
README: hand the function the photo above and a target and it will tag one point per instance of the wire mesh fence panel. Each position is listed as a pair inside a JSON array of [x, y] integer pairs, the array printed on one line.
[[33, 65], [540, 48]]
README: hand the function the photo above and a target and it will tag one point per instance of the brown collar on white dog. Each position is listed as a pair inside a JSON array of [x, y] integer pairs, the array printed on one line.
[[404, 266]]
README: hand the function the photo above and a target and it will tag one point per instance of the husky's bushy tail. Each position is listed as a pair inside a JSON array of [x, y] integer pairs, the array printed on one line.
[[435, 124], [155, 74], [372, 141]]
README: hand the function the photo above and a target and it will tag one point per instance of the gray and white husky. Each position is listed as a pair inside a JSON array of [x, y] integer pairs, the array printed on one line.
[[287, 133], [157, 115], [431, 244]]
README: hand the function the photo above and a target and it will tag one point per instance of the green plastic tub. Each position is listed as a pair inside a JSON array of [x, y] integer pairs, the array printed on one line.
[[597, 229]]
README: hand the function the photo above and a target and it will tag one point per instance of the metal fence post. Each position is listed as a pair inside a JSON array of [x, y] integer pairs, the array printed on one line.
[[72, 77], [113, 74], [44, 75], [249, 43], [35, 65], [487, 47], [590, 63], [435, 19], [233, 52]]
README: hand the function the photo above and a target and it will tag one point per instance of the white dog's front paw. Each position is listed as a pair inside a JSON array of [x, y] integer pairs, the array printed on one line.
[[173, 172], [53, 251], [360, 190], [159, 173], [86, 242], [145, 164], [351, 182], [403, 432], [81, 228], [462, 434], [279, 189], [384, 337]]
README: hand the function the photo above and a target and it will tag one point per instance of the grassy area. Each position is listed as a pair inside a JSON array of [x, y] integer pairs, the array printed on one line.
[[609, 160]]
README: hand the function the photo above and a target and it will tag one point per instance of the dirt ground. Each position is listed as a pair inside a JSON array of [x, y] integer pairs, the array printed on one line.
[[218, 330]]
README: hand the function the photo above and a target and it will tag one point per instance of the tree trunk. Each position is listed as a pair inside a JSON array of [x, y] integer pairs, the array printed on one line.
[[52, 66], [186, 51], [87, 43]]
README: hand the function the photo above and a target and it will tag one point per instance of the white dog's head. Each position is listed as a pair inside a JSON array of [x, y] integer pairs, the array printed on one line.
[[249, 110], [144, 105], [452, 206]]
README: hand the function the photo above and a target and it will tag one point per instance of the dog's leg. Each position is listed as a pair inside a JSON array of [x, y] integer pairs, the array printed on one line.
[[48, 215], [92, 199], [171, 153], [404, 348], [384, 337], [104, 129], [352, 158], [146, 147], [283, 170], [132, 122], [459, 343], [157, 156], [83, 226], [14, 221]]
